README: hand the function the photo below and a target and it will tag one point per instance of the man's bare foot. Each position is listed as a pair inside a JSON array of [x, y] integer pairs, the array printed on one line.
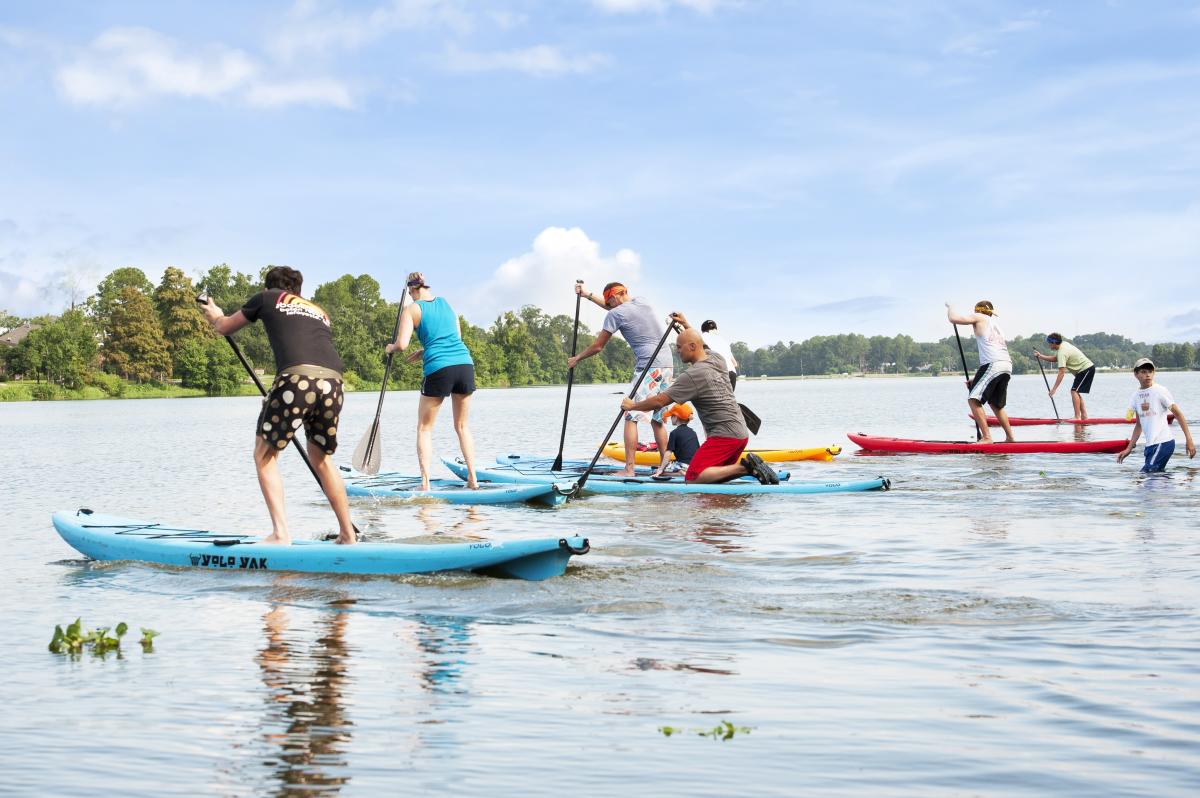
[[986, 440], [425, 486], [473, 484], [344, 540], [283, 540], [628, 472], [1010, 440]]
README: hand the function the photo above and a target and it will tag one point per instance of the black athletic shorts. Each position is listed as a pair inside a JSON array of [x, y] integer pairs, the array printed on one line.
[[1083, 380], [995, 386], [732, 380], [295, 401], [458, 379]]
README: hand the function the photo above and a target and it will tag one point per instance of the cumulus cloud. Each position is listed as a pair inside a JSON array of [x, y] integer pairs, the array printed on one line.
[[123, 67], [545, 276], [540, 61], [317, 28], [654, 6]]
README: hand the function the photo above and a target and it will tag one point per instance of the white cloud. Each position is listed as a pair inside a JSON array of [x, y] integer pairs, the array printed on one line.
[[545, 276], [654, 6], [314, 27], [123, 67], [984, 42], [540, 61]]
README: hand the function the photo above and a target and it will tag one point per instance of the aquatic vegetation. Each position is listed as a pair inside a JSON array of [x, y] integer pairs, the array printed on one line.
[[75, 638], [722, 731]]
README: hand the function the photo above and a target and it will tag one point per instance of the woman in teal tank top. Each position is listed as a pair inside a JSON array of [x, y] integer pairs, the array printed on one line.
[[448, 369]]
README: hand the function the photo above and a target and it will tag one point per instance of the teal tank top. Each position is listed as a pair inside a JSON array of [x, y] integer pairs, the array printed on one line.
[[438, 333]]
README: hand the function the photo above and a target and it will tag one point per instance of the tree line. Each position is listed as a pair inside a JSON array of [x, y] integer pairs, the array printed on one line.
[[900, 354], [132, 331]]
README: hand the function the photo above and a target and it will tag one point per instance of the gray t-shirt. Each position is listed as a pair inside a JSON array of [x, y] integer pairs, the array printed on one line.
[[641, 329], [706, 385]]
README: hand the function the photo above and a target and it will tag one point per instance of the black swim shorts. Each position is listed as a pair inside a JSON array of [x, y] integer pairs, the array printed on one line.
[[458, 379], [295, 401], [990, 386], [1083, 380]]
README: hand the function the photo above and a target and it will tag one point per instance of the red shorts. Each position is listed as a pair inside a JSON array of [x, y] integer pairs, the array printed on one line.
[[715, 452]]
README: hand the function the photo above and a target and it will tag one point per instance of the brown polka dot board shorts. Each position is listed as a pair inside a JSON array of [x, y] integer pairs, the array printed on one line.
[[295, 401]]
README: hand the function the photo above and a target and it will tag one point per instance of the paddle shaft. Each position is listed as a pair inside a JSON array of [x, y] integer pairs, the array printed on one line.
[[387, 372], [1053, 403], [967, 374], [237, 350], [562, 438], [632, 392]]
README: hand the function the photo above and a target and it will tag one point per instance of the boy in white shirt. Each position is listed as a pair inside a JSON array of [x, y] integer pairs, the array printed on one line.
[[1151, 403]]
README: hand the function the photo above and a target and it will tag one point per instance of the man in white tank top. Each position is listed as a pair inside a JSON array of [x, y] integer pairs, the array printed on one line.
[[990, 384]]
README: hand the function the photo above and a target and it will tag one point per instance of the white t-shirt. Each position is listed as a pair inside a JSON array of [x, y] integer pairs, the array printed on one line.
[[1151, 406], [717, 344], [992, 346]]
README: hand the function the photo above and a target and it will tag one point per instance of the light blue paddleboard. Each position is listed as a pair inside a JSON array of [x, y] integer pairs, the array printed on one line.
[[402, 486], [107, 537], [738, 487]]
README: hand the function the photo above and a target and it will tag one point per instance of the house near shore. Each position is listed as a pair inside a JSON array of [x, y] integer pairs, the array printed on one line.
[[17, 334]]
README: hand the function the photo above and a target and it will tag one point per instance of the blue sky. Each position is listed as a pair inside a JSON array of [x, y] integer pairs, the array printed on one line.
[[787, 168]]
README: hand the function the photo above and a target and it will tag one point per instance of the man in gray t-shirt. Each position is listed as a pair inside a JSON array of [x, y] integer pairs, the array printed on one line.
[[638, 324], [706, 385]]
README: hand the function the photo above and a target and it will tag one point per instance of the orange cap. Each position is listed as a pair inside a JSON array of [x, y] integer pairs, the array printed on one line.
[[681, 412]]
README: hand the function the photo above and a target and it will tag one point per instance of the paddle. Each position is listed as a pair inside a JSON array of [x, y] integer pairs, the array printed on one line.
[[967, 374], [237, 350], [1052, 402], [368, 452], [632, 392], [562, 439]]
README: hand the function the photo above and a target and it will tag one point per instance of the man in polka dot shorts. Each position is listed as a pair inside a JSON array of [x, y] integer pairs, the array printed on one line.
[[307, 392]]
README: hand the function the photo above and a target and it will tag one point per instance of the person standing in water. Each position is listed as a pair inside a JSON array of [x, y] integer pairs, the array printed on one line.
[[307, 392], [1151, 403], [448, 369], [990, 385]]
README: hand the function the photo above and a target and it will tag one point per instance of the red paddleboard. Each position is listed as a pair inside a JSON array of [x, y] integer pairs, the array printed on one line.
[[1017, 421], [876, 443]]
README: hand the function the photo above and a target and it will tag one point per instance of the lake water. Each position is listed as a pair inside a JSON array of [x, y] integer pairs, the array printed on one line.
[[1007, 625]]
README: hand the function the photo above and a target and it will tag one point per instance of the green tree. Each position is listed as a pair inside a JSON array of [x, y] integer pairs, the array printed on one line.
[[134, 347], [66, 348], [178, 312], [108, 293], [362, 323], [230, 290]]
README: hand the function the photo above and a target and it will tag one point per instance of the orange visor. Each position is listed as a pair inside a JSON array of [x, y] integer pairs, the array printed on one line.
[[612, 291]]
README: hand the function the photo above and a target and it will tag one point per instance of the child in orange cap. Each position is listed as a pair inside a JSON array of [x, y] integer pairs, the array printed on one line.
[[683, 442]]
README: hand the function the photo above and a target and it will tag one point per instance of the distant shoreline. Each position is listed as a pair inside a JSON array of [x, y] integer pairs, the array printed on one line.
[[23, 391]]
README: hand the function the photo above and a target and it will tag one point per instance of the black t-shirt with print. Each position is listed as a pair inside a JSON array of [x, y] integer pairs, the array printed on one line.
[[298, 329]]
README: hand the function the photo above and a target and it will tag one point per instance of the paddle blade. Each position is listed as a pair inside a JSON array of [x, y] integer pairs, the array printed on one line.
[[368, 455]]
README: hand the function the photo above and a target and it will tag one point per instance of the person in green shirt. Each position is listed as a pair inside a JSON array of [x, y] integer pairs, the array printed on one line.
[[1069, 358]]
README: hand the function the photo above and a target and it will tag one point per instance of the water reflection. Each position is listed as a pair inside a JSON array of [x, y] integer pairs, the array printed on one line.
[[305, 716], [469, 525]]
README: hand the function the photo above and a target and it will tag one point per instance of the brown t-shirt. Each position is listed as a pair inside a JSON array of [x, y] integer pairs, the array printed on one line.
[[706, 385]]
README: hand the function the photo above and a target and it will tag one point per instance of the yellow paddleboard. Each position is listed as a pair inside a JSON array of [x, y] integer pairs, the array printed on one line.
[[617, 452]]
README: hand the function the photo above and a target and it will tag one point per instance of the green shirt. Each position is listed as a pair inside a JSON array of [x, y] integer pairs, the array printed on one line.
[[1071, 359]]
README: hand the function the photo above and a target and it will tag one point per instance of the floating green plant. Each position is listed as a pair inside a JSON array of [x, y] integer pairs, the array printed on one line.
[[147, 640], [75, 638], [722, 731]]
